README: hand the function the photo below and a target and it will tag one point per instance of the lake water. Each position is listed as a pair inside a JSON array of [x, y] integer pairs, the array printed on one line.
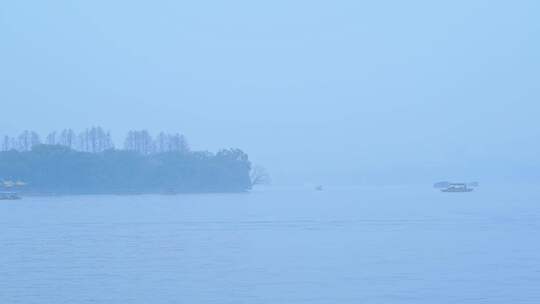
[[373, 245]]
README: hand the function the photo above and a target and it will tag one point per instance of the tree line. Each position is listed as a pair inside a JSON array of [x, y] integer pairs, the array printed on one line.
[[55, 169], [97, 140], [89, 162]]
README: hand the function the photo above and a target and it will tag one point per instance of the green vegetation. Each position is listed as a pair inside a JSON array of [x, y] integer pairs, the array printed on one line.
[[88, 162], [56, 169]]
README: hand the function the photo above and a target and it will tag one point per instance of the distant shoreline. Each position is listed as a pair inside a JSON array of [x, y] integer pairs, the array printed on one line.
[[57, 170]]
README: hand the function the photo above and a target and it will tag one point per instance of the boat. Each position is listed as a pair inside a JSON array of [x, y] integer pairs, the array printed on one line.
[[9, 196], [457, 187], [319, 188]]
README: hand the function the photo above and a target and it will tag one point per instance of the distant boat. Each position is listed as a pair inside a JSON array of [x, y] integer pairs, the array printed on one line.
[[319, 188], [457, 187], [9, 196]]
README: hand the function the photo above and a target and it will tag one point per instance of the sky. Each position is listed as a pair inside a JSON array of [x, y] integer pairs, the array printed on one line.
[[333, 92]]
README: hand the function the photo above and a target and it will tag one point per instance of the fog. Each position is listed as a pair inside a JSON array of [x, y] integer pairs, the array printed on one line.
[[333, 92]]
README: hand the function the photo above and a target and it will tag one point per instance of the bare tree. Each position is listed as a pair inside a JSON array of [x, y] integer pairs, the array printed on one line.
[[5, 143], [108, 141], [13, 145], [51, 138], [146, 143], [83, 141], [129, 143], [162, 143], [67, 138], [140, 142], [93, 140], [170, 143], [177, 143], [259, 176], [183, 144], [34, 139], [23, 141], [96, 140], [26, 141]]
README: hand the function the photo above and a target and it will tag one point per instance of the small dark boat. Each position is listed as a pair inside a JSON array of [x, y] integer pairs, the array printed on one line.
[[319, 188]]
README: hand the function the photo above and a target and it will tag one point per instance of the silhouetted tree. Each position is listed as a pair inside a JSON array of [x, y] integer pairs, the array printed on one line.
[[98, 140], [68, 138], [26, 140], [51, 138], [259, 176], [162, 143], [58, 169], [178, 143], [13, 144], [6, 143], [140, 142]]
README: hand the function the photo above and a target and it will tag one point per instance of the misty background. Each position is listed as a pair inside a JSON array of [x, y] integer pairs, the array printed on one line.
[[332, 92]]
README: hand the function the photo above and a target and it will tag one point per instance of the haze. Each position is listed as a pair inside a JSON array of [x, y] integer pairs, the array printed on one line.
[[340, 92]]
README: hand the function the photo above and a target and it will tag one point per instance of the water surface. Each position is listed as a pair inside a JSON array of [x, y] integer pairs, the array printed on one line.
[[377, 245]]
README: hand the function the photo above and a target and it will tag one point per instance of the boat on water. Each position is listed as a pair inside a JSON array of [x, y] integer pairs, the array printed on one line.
[[457, 187], [319, 188], [9, 196]]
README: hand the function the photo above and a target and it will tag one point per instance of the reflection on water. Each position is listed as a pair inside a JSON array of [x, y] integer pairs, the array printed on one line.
[[401, 245]]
